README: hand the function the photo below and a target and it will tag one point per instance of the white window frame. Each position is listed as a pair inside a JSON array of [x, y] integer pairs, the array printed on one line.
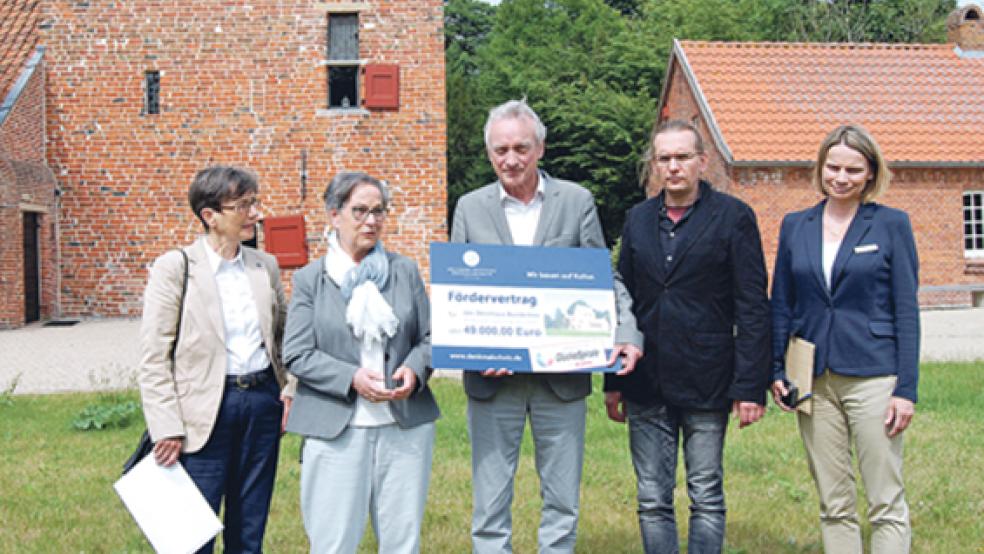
[[973, 215]]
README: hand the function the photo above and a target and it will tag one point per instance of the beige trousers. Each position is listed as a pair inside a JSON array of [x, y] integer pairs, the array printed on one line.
[[850, 412]]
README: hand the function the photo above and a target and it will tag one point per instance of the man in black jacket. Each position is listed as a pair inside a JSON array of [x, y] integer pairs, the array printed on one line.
[[692, 260]]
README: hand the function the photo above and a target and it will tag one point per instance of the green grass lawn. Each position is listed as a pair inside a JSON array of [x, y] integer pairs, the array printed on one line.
[[56, 483]]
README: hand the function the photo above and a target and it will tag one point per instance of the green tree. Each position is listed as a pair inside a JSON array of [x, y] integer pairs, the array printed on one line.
[[593, 88], [913, 21], [467, 24]]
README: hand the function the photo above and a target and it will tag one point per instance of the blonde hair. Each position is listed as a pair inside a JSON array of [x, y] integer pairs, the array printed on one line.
[[856, 138]]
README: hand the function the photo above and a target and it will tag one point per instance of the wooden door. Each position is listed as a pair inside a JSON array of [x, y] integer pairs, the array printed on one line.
[[32, 269]]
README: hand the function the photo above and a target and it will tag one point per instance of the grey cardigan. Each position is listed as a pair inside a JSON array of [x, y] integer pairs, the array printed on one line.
[[321, 351]]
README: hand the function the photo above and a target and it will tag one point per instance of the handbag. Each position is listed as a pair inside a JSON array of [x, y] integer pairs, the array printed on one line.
[[145, 446]]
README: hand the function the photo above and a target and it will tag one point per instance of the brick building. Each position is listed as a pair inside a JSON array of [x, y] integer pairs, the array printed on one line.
[[763, 109], [142, 94], [27, 188]]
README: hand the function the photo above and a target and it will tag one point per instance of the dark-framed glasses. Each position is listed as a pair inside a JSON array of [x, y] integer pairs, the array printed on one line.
[[360, 213], [243, 206]]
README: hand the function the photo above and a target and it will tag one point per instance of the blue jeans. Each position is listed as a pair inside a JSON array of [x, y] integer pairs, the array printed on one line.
[[654, 431]]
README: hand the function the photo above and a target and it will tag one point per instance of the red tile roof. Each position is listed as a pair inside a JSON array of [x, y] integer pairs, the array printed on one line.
[[776, 101], [19, 20]]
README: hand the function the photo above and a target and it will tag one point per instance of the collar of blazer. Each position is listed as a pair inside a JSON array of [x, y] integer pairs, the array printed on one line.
[[202, 279], [548, 211], [813, 236], [698, 223]]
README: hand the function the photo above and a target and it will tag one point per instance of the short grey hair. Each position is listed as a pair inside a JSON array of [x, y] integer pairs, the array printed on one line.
[[515, 109], [341, 186]]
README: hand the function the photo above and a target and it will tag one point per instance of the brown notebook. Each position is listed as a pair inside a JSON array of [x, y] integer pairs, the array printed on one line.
[[799, 371]]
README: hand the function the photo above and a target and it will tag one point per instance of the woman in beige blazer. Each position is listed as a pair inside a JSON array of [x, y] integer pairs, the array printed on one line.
[[216, 407]]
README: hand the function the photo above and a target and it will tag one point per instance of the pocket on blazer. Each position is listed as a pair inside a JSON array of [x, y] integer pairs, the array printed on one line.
[[563, 240], [882, 328]]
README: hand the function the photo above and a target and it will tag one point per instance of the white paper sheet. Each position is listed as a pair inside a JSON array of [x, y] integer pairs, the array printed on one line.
[[168, 507]]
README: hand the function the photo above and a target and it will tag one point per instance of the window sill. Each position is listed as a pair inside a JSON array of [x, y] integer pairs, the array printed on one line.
[[343, 63], [974, 265], [342, 7], [341, 112]]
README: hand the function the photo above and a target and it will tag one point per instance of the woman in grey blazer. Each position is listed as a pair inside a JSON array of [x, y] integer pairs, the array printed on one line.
[[358, 341]]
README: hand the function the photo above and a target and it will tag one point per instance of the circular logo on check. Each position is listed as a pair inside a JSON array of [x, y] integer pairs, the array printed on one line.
[[471, 258]]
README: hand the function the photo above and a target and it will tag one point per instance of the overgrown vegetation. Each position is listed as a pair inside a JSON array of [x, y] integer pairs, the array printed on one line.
[[114, 408], [103, 415], [7, 394]]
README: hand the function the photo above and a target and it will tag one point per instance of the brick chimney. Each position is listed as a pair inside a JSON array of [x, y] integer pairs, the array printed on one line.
[[965, 28]]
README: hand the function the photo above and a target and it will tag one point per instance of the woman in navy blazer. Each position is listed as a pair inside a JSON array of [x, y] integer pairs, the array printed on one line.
[[845, 279]]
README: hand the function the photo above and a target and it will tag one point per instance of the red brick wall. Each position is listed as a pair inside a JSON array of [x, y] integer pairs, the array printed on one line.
[[22, 134], [240, 84], [25, 182], [933, 198]]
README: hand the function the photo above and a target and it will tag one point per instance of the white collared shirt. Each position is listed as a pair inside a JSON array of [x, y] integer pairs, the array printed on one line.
[[523, 218], [244, 343], [830, 248]]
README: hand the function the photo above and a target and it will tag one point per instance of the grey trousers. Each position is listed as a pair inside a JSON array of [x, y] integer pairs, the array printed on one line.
[[383, 472], [496, 427]]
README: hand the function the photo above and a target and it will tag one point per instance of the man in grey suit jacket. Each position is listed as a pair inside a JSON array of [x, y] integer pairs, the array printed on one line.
[[528, 207]]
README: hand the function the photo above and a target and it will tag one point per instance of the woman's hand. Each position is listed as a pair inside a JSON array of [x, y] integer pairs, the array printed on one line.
[[778, 391], [898, 415], [408, 382], [288, 401], [371, 385], [166, 451]]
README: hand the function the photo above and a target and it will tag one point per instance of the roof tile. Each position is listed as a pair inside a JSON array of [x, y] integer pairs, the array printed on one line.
[[776, 101], [19, 21]]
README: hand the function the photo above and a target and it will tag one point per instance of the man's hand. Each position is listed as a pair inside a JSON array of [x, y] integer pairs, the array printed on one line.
[[630, 355], [492, 372], [898, 415], [408, 380], [778, 391], [166, 451], [615, 406], [747, 413], [371, 385]]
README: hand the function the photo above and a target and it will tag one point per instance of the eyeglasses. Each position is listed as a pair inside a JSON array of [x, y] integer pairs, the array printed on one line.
[[243, 206], [666, 159], [360, 213]]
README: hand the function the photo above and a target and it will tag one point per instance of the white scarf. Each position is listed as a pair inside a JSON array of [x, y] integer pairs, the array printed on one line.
[[372, 321]]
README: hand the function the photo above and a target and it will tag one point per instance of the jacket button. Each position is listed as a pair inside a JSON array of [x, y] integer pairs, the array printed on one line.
[[387, 357]]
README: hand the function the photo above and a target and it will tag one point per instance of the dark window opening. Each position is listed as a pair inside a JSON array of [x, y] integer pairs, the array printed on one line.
[[343, 86], [343, 60], [152, 92]]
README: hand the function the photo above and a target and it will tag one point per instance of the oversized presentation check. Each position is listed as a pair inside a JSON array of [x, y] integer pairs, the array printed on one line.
[[521, 308]]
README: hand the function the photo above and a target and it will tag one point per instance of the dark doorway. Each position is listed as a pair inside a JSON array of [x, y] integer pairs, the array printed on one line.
[[32, 269]]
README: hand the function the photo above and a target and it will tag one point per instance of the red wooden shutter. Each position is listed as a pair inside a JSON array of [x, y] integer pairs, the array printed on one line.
[[284, 237], [382, 86]]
